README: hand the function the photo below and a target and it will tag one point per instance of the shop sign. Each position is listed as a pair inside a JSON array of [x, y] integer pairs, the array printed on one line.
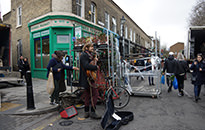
[[39, 34], [35, 35], [46, 32], [78, 32], [40, 26], [61, 22], [56, 22]]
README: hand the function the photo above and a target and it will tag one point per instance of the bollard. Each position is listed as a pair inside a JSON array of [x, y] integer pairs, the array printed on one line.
[[30, 99]]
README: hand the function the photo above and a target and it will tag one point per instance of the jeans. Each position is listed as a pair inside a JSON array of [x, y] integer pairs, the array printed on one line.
[[197, 90], [55, 94], [169, 82], [151, 80], [180, 80]]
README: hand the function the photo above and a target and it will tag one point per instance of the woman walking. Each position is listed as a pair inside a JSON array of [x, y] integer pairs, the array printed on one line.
[[180, 72], [57, 68], [198, 67]]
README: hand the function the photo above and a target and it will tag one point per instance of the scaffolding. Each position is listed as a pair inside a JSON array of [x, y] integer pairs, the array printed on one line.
[[131, 72]]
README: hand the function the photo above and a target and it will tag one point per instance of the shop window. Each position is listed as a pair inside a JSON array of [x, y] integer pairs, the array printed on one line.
[[19, 16], [37, 52], [45, 51], [79, 7], [93, 12]]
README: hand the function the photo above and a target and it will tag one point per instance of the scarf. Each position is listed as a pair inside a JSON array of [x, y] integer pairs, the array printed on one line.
[[90, 55]]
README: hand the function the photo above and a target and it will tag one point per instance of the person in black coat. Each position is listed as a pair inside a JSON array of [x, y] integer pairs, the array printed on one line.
[[198, 67], [26, 66], [85, 59], [140, 62], [149, 68], [181, 69], [169, 67], [21, 66], [57, 68]]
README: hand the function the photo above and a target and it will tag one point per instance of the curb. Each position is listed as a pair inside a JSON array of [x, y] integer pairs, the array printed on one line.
[[24, 112]]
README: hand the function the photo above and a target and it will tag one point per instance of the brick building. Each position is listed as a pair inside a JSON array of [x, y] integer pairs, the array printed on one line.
[[178, 47], [39, 27]]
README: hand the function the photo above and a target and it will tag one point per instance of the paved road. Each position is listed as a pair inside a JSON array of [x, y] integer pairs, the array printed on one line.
[[168, 112]]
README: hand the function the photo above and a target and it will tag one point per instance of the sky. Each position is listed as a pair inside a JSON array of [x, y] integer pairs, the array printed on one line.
[[166, 18]]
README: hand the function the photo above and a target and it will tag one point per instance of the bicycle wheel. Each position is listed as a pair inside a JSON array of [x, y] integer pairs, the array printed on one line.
[[120, 96]]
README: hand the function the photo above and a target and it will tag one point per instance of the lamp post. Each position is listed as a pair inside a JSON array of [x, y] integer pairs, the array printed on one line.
[[122, 20]]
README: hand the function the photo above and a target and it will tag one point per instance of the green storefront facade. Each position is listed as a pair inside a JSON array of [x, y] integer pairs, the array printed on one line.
[[53, 32]]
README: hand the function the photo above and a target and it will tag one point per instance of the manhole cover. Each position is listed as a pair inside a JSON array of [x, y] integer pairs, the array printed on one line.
[[65, 123]]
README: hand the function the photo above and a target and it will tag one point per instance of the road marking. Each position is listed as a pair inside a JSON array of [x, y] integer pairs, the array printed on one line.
[[6, 106]]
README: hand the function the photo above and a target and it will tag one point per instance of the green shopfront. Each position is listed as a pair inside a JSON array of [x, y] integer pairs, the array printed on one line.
[[53, 32]]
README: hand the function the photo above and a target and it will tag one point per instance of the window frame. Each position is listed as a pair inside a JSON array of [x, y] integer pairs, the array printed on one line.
[[107, 22], [130, 34], [93, 12], [114, 25], [126, 34], [79, 5], [19, 16]]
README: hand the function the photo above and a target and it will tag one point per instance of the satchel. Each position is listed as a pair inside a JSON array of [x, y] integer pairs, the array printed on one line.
[[50, 83], [193, 78]]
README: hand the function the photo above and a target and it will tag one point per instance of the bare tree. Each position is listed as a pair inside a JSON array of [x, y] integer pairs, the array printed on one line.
[[197, 16]]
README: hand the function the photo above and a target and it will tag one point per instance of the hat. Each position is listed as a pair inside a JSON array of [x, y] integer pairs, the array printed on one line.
[[59, 53], [171, 53]]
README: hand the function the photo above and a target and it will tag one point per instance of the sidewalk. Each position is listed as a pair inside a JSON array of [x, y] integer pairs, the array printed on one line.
[[14, 99]]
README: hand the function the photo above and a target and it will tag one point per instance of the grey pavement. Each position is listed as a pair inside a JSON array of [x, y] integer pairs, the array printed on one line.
[[17, 95]]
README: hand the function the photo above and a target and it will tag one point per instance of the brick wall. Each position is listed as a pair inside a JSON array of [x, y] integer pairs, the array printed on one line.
[[30, 10], [177, 48]]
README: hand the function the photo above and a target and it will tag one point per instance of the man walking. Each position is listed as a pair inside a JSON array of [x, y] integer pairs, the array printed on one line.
[[169, 67], [21, 66]]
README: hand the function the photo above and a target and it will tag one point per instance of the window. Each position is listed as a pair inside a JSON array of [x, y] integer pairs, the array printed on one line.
[[37, 52], [79, 7], [134, 37], [121, 30], [45, 51], [19, 16], [19, 48], [107, 20], [126, 32], [41, 49], [93, 13], [130, 34], [114, 25]]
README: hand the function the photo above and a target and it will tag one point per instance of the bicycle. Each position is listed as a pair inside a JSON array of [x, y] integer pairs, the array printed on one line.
[[119, 94]]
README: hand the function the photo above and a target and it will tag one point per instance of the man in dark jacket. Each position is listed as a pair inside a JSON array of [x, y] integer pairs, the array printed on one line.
[[21, 66], [181, 69], [170, 68], [91, 93], [140, 63]]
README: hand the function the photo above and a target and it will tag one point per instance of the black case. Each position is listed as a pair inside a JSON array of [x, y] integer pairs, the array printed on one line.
[[110, 123]]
